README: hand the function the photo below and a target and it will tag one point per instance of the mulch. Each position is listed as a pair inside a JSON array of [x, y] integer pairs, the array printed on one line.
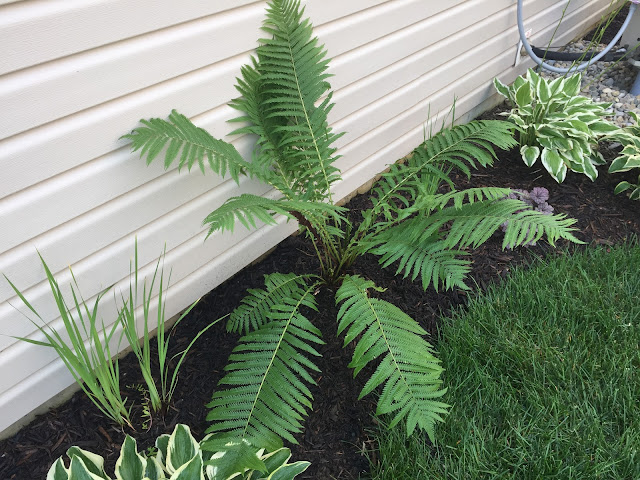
[[337, 434]]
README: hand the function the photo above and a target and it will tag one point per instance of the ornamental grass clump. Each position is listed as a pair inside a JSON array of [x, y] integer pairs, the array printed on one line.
[[88, 352], [557, 125], [285, 100], [159, 385]]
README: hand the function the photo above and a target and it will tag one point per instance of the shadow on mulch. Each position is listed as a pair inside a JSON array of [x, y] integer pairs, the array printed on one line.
[[335, 435]]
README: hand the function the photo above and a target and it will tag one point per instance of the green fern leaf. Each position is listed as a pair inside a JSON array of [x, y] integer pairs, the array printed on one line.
[[268, 373], [409, 370], [255, 307], [428, 244], [269, 162], [190, 143], [433, 263], [429, 164], [292, 67], [248, 209]]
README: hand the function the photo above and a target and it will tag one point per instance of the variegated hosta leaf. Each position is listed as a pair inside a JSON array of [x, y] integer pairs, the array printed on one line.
[[286, 472], [58, 471], [192, 470], [181, 449], [79, 471], [93, 462], [552, 161], [130, 464], [154, 470], [224, 460], [501, 88], [629, 158], [409, 370], [529, 154], [234, 458]]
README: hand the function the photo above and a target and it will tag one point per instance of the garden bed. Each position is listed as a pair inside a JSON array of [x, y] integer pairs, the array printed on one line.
[[335, 436]]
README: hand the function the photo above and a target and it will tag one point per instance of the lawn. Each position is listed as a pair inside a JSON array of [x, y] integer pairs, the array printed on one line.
[[543, 377]]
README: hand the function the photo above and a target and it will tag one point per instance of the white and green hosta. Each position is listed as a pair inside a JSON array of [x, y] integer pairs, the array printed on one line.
[[629, 158], [556, 124], [180, 457], [284, 103]]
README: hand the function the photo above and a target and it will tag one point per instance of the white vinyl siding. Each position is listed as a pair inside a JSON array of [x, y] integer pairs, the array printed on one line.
[[75, 75]]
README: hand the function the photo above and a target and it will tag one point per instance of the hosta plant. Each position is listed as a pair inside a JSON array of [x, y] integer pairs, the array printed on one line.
[[557, 125], [629, 158], [180, 457], [424, 231]]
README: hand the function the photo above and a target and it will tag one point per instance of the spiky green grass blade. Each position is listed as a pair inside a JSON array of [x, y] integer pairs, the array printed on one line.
[[409, 370], [268, 374]]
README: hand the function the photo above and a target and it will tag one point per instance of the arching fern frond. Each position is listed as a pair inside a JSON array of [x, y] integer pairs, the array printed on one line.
[[256, 306], [187, 143], [428, 245], [473, 224], [248, 209], [460, 146], [409, 370], [268, 373]]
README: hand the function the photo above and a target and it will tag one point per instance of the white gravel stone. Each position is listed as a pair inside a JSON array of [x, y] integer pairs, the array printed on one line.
[[606, 82]]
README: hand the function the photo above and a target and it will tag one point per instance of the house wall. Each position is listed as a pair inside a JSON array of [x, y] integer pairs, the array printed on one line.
[[76, 75]]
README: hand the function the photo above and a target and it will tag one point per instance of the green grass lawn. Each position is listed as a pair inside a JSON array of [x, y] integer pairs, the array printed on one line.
[[544, 379]]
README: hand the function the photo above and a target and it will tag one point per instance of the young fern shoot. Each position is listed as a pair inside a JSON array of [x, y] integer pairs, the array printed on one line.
[[285, 100]]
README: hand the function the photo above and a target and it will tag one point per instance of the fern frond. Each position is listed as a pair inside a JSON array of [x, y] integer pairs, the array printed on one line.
[[268, 373], [190, 143], [292, 66], [248, 209], [269, 161], [432, 262], [427, 245], [409, 370], [530, 226], [472, 224], [461, 146], [256, 306]]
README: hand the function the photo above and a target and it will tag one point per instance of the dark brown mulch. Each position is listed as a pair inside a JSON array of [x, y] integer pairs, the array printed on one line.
[[336, 435]]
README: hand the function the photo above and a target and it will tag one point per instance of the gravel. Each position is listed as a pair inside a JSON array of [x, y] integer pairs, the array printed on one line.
[[606, 82]]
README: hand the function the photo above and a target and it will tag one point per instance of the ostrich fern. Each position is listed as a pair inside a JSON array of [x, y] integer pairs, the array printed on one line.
[[284, 103]]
